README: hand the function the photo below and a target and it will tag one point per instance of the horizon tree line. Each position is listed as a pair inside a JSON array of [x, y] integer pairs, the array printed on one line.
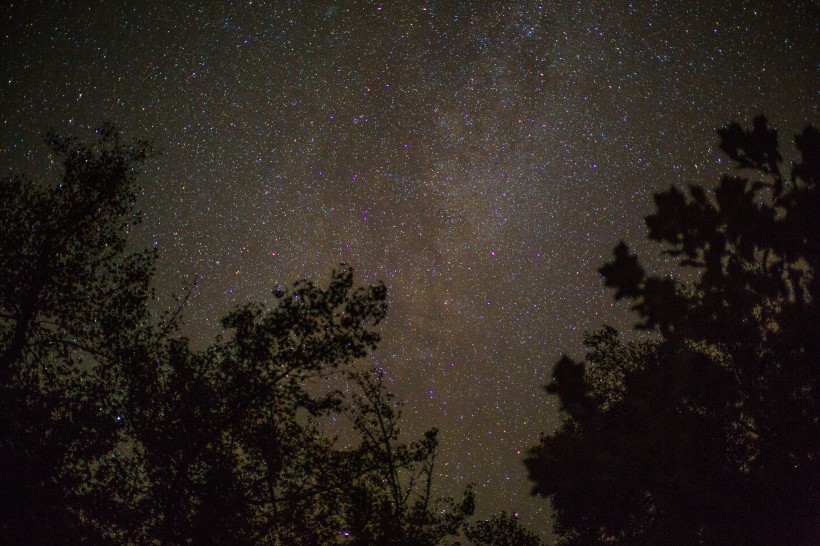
[[115, 430]]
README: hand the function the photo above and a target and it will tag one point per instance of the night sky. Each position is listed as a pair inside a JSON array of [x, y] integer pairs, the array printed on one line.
[[482, 158]]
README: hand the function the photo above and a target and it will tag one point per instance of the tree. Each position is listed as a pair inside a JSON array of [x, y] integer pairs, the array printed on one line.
[[70, 298], [223, 445], [711, 434], [501, 530], [114, 430], [393, 505]]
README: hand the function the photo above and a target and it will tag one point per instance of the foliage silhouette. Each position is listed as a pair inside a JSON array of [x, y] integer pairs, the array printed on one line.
[[71, 297], [114, 430], [711, 434], [225, 440], [501, 530]]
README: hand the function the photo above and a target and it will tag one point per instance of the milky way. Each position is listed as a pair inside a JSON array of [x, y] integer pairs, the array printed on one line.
[[482, 158]]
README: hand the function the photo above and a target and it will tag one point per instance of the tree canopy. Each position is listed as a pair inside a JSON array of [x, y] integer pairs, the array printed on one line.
[[709, 434], [72, 302], [115, 430]]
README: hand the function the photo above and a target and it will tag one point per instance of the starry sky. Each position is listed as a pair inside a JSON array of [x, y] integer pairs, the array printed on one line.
[[482, 158]]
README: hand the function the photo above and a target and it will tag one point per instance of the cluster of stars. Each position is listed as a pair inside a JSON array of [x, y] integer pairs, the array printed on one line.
[[482, 158]]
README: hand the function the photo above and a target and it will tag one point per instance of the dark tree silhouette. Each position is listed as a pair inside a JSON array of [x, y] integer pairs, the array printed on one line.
[[393, 505], [70, 299], [710, 435], [114, 430], [501, 530], [224, 441]]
